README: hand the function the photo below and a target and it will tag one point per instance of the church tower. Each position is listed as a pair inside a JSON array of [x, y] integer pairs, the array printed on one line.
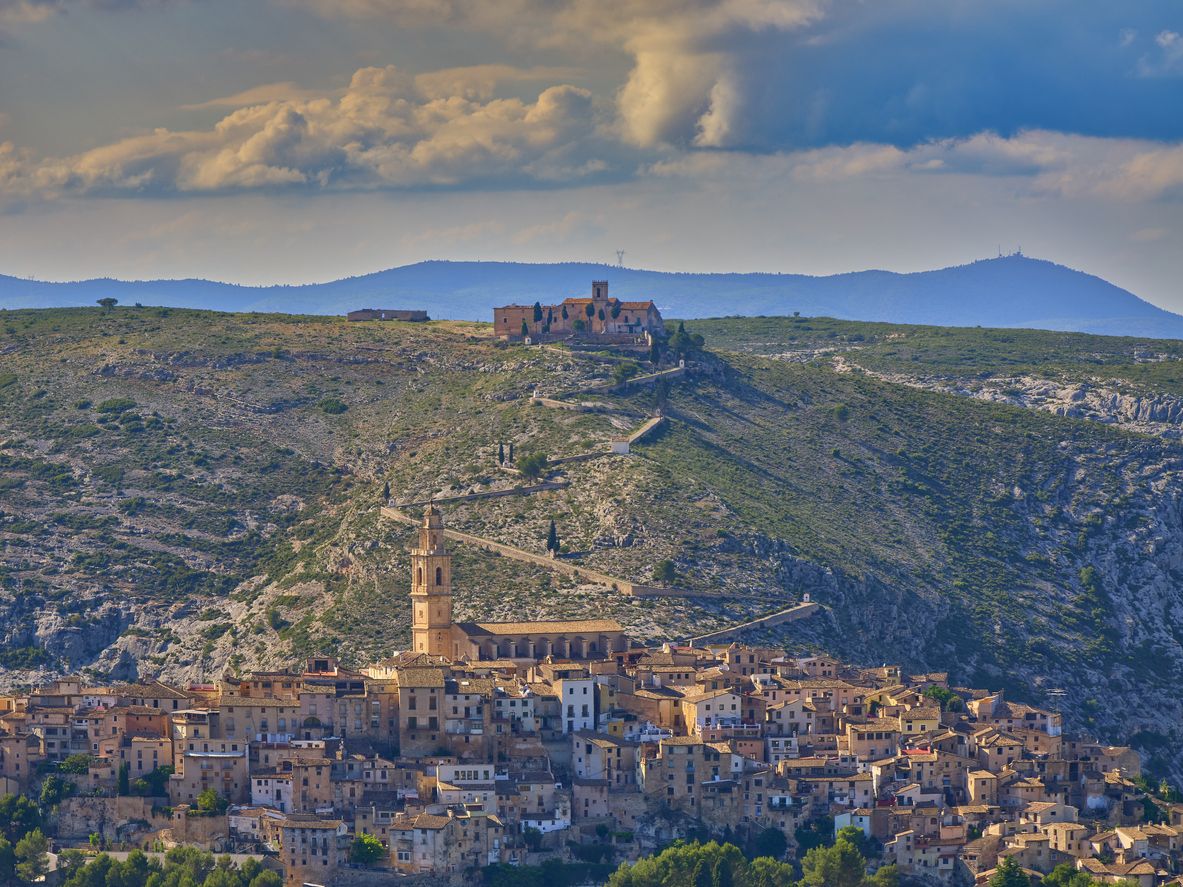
[[431, 588]]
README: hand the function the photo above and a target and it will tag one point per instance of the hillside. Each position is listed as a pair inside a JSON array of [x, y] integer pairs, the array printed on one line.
[[1011, 291], [182, 491]]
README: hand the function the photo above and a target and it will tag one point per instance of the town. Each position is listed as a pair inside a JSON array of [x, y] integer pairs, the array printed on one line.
[[509, 744]]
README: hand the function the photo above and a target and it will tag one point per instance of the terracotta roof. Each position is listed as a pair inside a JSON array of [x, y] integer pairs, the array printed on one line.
[[421, 677]]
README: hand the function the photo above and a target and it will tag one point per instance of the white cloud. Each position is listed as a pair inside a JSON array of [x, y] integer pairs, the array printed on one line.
[[689, 57], [387, 129]]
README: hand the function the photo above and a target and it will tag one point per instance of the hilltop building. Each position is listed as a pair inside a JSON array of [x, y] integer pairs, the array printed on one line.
[[411, 316], [600, 316], [433, 632]]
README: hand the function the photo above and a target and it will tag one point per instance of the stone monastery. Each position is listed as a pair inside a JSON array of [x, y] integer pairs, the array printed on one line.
[[600, 317]]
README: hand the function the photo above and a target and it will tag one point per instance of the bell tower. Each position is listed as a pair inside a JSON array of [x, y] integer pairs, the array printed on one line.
[[431, 588]]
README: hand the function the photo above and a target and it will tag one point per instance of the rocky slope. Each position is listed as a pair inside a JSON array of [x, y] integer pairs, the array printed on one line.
[[184, 492]]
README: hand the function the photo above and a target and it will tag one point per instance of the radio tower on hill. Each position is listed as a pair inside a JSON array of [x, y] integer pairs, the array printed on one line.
[[620, 258]]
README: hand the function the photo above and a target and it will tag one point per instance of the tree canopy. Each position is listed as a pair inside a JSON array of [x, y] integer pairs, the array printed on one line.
[[702, 865]]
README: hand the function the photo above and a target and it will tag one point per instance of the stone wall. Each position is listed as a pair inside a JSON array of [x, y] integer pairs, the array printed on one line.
[[116, 819], [801, 611]]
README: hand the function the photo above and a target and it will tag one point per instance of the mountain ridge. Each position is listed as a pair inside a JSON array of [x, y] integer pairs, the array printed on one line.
[[1009, 291]]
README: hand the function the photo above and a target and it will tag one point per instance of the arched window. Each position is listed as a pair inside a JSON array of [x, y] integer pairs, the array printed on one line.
[[439, 575], [419, 576]]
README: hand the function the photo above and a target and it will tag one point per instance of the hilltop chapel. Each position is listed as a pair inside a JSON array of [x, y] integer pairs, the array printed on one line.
[[433, 631]]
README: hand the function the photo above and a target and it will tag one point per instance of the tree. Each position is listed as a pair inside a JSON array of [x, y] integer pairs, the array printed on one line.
[[53, 789], [7, 862], [266, 878], [590, 311], [32, 856], [552, 539], [78, 765], [538, 312], [108, 303], [124, 779], [840, 865], [856, 836], [656, 350], [711, 865], [661, 394], [532, 465], [510, 456], [565, 312], [70, 861], [770, 842], [1066, 875], [386, 491], [947, 699], [209, 802], [664, 571], [367, 849], [1009, 873], [525, 329], [767, 872], [500, 454], [18, 816], [624, 371], [885, 876]]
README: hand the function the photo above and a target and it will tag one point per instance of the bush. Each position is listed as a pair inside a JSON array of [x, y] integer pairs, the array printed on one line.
[[116, 405], [664, 571], [367, 849], [532, 465], [333, 406]]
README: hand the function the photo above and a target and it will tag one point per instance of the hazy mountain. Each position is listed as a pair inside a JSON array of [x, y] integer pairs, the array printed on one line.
[[1013, 291]]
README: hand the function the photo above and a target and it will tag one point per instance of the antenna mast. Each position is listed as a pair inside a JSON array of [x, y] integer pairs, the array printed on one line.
[[620, 258]]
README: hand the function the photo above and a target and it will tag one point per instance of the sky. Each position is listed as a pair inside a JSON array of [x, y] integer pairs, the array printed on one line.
[[263, 141]]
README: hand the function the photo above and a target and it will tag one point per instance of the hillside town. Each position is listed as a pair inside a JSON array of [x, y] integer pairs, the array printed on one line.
[[508, 744]]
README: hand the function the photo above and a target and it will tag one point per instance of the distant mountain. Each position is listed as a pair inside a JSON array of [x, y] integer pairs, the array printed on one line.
[[1012, 291]]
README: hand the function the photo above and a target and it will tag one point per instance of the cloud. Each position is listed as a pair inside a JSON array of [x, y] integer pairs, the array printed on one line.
[[480, 82], [286, 91], [383, 131], [21, 12], [685, 85], [1166, 59]]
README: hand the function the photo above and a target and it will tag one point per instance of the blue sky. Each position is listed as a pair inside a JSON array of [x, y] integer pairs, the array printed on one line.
[[289, 140]]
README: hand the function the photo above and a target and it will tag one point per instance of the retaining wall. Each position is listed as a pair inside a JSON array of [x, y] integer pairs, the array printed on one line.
[[801, 611]]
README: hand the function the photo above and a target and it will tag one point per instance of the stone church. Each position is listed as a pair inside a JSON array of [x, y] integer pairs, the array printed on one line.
[[433, 631]]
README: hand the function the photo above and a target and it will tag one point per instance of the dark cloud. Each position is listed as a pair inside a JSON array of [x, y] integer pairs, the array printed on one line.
[[903, 71]]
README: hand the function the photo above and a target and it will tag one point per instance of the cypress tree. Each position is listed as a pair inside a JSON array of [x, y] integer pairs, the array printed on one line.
[[552, 539], [500, 454]]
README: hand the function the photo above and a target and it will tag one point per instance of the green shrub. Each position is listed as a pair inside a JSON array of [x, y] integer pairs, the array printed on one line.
[[116, 405], [333, 406]]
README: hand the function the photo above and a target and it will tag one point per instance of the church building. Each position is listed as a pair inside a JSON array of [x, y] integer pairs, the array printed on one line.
[[599, 316], [433, 632]]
